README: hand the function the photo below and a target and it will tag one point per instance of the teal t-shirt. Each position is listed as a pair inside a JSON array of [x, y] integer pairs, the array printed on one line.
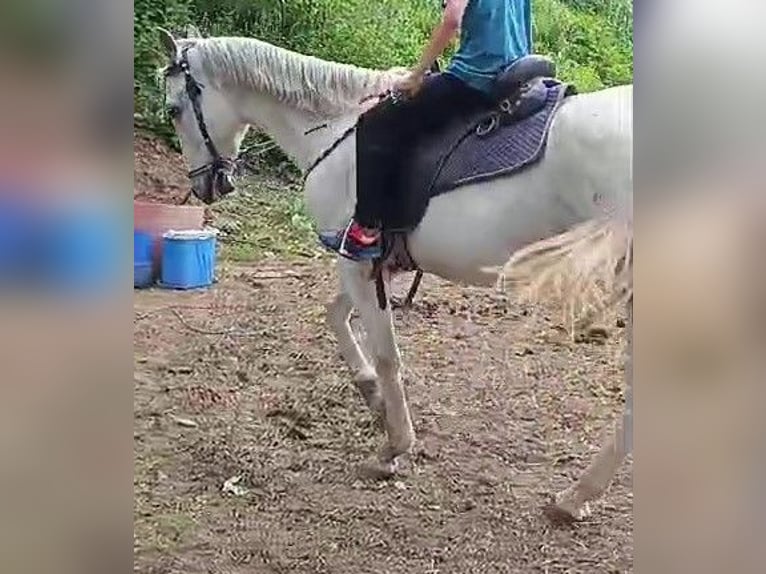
[[494, 33]]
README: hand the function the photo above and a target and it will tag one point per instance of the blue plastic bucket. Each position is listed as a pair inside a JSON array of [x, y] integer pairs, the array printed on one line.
[[143, 267], [188, 259], [143, 275], [143, 245]]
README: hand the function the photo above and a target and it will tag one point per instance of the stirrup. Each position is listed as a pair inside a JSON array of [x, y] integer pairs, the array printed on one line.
[[342, 247]]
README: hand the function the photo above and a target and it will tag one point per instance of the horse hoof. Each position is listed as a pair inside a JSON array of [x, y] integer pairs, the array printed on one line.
[[564, 513], [558, 516], [379, 470], [370, 392]]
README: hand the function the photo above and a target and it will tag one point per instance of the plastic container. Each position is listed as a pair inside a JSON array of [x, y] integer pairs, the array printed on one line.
[[143, 257], [188, 259], [143, 275], [143, 247], [158, 218]]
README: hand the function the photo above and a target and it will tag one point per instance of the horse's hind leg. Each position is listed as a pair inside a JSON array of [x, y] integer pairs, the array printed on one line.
[[364, 376], [380, 329], [572, 503]]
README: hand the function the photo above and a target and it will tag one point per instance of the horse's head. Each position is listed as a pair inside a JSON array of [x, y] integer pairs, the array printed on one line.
[[208, 127]]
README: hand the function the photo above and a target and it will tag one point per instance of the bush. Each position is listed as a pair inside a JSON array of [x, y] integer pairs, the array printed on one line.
[[591, 40], [147, 55]]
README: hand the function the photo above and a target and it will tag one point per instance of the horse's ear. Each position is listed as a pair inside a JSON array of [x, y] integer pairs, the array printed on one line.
[[169, 43], [192, 31]]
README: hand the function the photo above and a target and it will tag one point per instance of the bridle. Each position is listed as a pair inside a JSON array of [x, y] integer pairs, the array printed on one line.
[[219, 165]]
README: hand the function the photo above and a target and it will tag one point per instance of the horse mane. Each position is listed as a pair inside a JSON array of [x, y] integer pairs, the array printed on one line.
[[305, 82]]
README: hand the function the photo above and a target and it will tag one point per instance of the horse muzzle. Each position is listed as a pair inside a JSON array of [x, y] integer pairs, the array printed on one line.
[[213, 183]]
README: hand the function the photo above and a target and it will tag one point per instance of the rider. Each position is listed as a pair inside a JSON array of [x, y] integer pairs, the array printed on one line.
[[493, 34]]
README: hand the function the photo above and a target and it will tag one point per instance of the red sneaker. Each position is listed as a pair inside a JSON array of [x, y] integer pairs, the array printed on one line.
[[353, 241], [361, 236]]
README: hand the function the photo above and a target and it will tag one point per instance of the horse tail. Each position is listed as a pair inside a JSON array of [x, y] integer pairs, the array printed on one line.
[[587, 269]]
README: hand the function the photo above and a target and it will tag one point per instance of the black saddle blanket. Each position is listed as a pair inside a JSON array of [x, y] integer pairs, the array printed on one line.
[[487, 145]]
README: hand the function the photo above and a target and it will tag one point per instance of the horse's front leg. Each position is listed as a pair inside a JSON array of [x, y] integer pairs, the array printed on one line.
[[363, 374], [378, 323]]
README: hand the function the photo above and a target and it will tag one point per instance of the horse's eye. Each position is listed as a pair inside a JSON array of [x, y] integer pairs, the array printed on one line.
[[173, 111]]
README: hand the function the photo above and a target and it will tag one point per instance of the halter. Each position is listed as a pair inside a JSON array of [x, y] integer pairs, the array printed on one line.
[[219, 164]]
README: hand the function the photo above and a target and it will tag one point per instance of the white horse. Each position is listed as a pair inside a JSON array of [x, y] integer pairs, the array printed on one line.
[[223, 86]]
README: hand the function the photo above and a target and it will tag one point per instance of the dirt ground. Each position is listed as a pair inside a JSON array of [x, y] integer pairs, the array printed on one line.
[[159, 173], [243, 381]]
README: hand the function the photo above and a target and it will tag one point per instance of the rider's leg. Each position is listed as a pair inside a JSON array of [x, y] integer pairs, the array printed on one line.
[[441, 98]]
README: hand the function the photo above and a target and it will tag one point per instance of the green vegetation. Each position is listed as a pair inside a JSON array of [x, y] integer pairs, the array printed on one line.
[[266, 220], [591, 40]]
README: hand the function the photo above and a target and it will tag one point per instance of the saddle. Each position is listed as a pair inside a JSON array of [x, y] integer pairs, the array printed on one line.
[[523, 70]]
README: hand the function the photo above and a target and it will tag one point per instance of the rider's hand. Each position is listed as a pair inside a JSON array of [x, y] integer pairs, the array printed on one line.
[[410, 85]]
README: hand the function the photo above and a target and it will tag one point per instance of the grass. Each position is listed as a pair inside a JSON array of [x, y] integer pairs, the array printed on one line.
[[266, 220]]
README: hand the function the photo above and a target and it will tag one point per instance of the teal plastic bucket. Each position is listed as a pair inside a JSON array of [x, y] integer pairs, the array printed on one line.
[[188, 259]]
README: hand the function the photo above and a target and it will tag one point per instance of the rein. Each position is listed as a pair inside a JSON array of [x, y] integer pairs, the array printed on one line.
[[326, 152]]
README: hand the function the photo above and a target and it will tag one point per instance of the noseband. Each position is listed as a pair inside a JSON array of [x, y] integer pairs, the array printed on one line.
[[219, 163]]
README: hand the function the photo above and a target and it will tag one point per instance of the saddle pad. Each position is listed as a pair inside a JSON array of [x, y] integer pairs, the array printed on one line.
[[458, 156]]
